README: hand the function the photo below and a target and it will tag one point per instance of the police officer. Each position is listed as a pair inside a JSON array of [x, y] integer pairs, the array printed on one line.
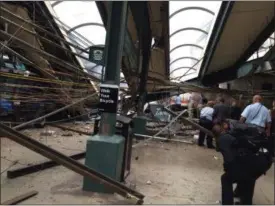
[[241, 168], [257, 114], [206, 122]]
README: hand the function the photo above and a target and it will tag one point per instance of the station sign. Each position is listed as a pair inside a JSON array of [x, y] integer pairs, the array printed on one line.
[[108, 98], [96, 55]]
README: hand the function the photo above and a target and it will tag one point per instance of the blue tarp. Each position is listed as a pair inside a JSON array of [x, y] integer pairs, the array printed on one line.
[[6, 105]]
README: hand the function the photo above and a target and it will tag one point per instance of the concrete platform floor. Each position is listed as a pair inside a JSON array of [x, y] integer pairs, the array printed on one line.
[[166, 173]]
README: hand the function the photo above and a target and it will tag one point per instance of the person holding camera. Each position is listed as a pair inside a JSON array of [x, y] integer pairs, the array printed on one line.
[[245, 160]]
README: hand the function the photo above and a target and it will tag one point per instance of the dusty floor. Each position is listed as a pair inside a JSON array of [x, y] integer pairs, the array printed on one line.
[[177, 173]]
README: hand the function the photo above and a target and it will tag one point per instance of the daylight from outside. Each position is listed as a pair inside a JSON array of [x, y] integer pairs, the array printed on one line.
[[190, 26]]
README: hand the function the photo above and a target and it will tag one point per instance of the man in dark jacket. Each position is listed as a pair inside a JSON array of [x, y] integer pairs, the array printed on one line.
[[272, 130], [236, 111], [241, 168], [221, 111]]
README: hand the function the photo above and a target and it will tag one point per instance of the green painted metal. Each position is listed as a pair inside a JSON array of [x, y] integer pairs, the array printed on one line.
[[104, 154], [139, 125], [105, 151], [96, 55]]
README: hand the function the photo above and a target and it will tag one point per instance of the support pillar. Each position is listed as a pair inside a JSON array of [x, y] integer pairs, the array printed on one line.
[[145, 39], [104, 151]]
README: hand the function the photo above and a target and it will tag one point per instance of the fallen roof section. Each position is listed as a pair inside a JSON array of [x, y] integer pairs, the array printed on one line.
[[241, 28]]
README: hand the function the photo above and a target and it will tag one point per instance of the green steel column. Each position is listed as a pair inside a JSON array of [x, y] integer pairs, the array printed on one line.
[[145, 39], [104, 152]]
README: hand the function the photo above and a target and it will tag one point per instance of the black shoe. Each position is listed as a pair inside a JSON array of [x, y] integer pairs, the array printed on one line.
[[201, 145], [211, 147]]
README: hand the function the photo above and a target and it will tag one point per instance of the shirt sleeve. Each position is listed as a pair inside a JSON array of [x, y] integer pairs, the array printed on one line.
[[245, 112], [268, 120]]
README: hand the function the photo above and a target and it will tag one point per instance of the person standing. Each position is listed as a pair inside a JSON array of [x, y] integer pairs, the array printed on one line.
[[272, 129], [242, 168], [221, 111], [194, 101], [258, 115], [272, 114], [235, 111], [178, 102], [206, 122]]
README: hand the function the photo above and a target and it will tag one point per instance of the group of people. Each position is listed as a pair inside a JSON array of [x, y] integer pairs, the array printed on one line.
[[255, 113], [243, 164]]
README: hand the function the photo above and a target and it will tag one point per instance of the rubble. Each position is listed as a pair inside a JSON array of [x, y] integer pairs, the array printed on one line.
[[47, 133]]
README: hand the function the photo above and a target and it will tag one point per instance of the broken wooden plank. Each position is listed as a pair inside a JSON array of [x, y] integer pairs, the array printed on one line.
[[71, 164], [38, 167], [20, 198]]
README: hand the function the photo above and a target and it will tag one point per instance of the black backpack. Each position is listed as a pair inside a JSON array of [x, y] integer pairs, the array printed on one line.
[[249, 137]]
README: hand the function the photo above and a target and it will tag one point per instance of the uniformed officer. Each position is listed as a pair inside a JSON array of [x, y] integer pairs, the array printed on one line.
[[206, 122], [243, 169], [257, 114]]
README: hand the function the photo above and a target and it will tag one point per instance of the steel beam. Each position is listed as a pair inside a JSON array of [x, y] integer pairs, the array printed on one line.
[[38, 167], [145, 38], [188, 29], [224, 13], [83, 25], [230, 73], [179, 68], [180, 58], [235, 72], [48, 56], [184, 45], [191, 8], [261, 38], [20, 198], [187, 121], [166, 26], [71, 164], [47, 40], [40, 29]]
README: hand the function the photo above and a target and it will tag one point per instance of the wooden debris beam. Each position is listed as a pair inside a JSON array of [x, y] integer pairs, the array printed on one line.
[[20, 198], [11, 174], [71, 164]]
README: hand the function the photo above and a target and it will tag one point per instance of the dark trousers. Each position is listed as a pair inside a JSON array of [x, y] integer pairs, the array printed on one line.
[[245, 174], [207, 124], [176, 107], [272, 144]]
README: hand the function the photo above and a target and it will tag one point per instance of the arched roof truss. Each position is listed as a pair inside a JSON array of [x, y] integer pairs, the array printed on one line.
[[190, 26]]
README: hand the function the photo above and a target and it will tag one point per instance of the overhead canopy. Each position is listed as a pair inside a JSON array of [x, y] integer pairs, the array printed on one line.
[[241, 28]]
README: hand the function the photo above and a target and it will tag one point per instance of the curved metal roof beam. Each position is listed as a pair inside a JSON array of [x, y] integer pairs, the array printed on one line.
[[179, 68], [188, 29], [85, 24], [180, 58], [178, 78], [56, 3], [192, 8], [184, 45]]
